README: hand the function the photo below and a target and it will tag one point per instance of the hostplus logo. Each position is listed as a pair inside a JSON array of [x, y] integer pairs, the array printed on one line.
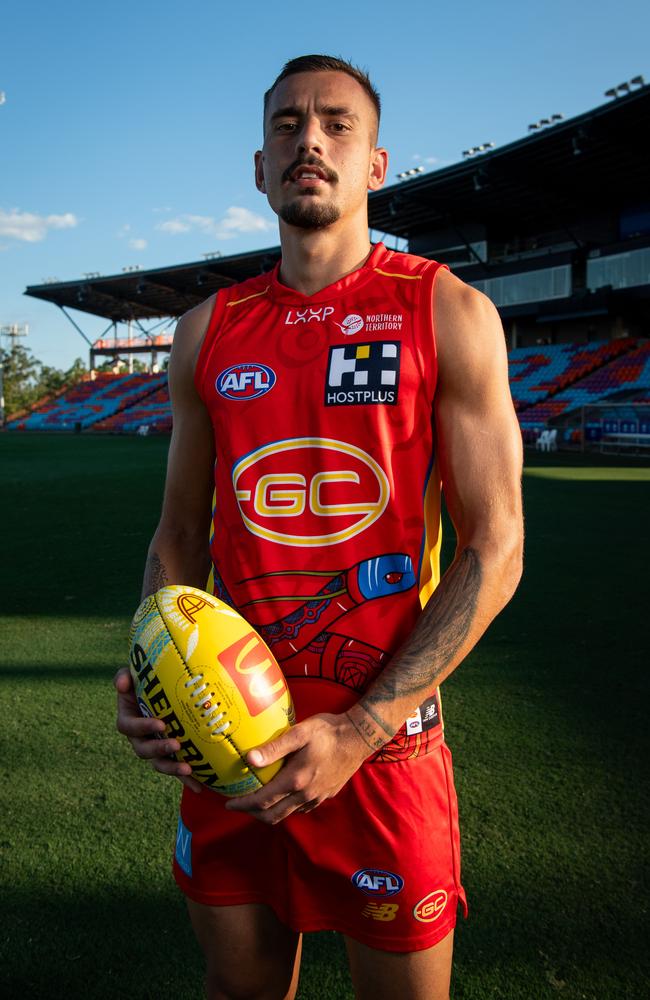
[[363, 373]]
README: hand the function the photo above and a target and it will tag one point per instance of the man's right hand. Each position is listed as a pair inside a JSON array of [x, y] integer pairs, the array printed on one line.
[[144, 734]]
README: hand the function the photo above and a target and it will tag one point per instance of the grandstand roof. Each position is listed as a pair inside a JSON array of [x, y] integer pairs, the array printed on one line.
[[595, 161], [543, 180]]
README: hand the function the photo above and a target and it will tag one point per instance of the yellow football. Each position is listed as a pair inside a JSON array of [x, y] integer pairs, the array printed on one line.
[[201, 668]]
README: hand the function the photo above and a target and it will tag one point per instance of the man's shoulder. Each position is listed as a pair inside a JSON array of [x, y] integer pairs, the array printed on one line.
[[402, 264]]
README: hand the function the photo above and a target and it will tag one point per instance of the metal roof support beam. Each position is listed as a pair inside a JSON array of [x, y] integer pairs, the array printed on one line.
[[78, 328]]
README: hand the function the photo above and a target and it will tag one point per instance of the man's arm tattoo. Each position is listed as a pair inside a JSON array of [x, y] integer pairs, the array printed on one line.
[[442, 629], [368, 733], [155, 575]]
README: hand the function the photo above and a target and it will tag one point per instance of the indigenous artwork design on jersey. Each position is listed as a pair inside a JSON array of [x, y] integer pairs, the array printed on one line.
[[306, 642]]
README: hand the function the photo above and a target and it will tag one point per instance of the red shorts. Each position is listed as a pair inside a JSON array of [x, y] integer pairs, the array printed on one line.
[[379, 862]]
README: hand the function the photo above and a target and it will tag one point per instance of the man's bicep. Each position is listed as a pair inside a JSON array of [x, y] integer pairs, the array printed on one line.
[[190, 464], [478, 437]]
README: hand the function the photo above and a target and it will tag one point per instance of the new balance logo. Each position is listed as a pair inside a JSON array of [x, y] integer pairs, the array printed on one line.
[[380, 911]]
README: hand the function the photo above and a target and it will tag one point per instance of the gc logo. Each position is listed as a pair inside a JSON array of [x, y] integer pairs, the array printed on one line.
[[431, 907], [309, 491]]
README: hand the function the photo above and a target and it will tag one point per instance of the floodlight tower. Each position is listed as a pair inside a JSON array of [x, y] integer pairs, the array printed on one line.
[[13, 331]]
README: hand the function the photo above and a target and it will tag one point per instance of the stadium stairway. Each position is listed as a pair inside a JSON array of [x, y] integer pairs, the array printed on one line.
[[625, 374], [88, 402], [153, 412], [536, 373]]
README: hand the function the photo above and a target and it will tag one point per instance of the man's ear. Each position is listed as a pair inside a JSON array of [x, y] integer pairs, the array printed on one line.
[[378, 168], [259, 171]]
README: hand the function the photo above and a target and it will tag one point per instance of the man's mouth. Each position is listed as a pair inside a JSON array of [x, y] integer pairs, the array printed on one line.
[[309, 175]]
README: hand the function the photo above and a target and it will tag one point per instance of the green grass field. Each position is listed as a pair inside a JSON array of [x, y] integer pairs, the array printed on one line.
[[546, 720]]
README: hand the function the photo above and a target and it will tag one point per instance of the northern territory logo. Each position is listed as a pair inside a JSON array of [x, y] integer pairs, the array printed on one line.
[[245, 381], [353, 323], [377, 882], [363, 373]]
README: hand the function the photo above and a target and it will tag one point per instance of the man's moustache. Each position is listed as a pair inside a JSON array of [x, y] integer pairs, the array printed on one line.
[[330, 175]]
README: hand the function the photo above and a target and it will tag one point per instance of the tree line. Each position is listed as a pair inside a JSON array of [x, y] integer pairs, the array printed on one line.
[[26, 379]]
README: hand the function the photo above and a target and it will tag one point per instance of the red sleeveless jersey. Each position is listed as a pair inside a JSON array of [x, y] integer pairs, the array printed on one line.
[[326, 520]]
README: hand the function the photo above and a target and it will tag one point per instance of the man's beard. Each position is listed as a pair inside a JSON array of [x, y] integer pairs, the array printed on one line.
[[309, 213]]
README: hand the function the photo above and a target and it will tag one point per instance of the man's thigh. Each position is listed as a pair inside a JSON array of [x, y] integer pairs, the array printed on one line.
[[248, 951], [391, 975]]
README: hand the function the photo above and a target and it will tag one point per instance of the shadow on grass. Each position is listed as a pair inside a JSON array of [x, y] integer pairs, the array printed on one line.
[[103, 945], [43, 672]]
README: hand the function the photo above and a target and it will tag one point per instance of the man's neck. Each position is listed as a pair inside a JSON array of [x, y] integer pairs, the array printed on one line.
[[314, 259]]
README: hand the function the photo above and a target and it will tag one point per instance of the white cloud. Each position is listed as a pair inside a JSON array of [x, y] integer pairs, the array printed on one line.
[[236, 220], [138, 244], [174, 226], [32, 228], [430, 160]]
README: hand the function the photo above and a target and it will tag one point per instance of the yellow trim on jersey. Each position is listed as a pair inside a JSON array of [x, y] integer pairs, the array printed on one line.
[[391, 274], [210, 584], [430, 568], [255, 295]]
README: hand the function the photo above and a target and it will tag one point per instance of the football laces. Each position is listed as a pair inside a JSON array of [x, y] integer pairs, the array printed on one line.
[[211, 714]]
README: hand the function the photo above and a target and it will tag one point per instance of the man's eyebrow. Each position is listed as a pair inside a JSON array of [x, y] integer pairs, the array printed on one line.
[[291, 111], [336, 111]]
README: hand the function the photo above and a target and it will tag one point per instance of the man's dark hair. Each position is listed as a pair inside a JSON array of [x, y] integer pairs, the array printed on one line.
[[318, 64]]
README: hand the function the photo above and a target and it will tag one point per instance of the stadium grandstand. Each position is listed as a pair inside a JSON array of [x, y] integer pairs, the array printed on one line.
[[554, 228]]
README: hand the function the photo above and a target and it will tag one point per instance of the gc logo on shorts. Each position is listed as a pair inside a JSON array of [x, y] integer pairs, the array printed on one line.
[[431, 907]]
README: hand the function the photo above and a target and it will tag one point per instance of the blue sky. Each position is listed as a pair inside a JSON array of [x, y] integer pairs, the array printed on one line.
[[128, 129]]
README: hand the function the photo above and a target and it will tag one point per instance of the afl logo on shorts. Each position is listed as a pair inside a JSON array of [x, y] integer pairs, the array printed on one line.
[[246, 381], [431, 907], [376, 882], [309, 491]]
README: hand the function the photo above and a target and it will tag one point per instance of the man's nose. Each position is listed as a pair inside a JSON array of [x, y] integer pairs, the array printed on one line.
[[310, 137]]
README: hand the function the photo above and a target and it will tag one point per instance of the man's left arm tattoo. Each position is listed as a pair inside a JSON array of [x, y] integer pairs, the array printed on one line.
[[441, 630]]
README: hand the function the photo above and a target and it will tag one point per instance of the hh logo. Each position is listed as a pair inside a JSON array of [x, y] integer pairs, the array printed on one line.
[[380, 911], [377, 882], [309, 491], [184, 848], [363, 373], [246, 381], [430, 908], [254, 671]]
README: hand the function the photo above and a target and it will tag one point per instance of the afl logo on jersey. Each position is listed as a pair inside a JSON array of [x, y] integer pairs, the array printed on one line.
[[245, 381], [309, 491]]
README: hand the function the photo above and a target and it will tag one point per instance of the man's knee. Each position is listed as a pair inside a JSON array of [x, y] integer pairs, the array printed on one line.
[[249, 953], [247, 984]]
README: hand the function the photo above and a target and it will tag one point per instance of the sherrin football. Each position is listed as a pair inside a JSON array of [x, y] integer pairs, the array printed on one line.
[[201, 668]]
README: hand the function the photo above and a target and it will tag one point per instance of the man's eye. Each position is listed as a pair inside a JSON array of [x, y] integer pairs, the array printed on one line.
[[285, 126], [339, 126]]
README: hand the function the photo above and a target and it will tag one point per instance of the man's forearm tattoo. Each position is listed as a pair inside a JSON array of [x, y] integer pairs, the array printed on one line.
[[155, 575], [440, 632], [368, 733]]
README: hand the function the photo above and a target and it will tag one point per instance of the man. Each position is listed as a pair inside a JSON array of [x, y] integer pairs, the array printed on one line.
[[315, 387]]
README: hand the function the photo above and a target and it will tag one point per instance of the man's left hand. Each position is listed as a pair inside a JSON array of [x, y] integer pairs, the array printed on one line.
[[322, 753]]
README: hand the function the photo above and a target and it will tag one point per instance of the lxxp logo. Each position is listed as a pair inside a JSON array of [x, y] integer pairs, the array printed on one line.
[[363, 373]]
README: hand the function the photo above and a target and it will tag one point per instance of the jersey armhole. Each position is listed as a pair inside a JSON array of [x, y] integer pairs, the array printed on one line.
[[209, 340], [427, 312]]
